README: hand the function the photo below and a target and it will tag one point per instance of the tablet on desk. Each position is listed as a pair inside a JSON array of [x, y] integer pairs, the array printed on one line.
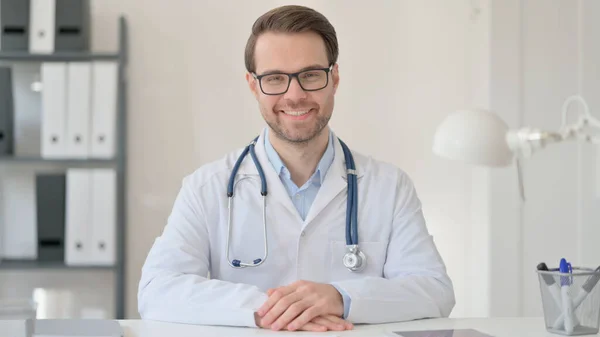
[[77, 328], [442, 333]]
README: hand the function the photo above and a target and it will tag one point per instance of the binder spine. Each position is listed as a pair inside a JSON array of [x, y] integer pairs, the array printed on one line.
[[6, 112]]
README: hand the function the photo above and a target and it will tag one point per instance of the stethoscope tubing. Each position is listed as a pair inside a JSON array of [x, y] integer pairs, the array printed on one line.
[[351, 207]]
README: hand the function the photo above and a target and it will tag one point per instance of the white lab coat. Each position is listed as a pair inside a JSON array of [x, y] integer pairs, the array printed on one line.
[[405, 277]]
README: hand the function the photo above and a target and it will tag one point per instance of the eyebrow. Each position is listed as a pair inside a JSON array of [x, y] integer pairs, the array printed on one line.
[[277, 71]]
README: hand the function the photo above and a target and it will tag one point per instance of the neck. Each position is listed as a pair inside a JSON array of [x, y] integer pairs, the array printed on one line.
[[301, 159]]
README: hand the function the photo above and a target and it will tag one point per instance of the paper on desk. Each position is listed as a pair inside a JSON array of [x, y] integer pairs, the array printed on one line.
[[296, 334], [442, 333]]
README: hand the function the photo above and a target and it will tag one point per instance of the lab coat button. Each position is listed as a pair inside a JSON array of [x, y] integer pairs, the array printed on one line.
[[303, 233]]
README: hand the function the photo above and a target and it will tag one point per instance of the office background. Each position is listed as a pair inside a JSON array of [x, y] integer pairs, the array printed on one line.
[[404, 66]]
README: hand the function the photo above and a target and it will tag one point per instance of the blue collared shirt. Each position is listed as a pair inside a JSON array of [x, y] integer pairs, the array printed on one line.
[[303, 196]]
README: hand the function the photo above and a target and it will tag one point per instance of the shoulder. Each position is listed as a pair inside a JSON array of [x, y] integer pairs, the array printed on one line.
[[212, 171], [390, 181], [381, 170]]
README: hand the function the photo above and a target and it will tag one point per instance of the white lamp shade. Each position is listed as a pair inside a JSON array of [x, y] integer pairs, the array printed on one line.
[[475, 136]]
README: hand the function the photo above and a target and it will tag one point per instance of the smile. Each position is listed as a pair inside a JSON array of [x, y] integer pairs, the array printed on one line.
[[296, 113]]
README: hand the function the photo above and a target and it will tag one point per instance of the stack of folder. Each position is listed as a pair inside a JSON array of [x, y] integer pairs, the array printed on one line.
[[67, 216], [79, 101], [44, 26]]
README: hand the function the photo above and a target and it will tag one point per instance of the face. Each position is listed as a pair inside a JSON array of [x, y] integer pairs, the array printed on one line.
[[296, 116]]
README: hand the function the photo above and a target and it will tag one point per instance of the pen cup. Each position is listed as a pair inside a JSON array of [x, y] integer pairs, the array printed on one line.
[[571, 301]]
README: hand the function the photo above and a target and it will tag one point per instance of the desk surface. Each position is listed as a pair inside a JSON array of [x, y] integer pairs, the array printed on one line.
[[499, 327]]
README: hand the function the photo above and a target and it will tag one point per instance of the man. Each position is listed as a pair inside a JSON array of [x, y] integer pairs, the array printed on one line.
[[303, 284]]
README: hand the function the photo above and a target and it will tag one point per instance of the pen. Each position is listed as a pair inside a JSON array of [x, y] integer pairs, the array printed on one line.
[[552, 285], [567, 305], [586, 288]]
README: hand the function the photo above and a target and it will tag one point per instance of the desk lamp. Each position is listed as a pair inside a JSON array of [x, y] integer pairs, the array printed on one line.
[[480, 137]]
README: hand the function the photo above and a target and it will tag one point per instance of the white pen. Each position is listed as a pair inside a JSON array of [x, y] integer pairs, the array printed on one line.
[[567, 304], [553, 287], [586, 288]]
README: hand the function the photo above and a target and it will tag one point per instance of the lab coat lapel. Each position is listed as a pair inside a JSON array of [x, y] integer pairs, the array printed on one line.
[[335, 182], [276, 192]]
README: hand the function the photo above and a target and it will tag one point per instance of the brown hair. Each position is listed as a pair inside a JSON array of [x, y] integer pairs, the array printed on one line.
[[292, 19]]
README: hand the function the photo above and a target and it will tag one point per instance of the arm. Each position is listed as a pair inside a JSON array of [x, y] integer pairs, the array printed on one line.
[[174, 285], [415, 284]]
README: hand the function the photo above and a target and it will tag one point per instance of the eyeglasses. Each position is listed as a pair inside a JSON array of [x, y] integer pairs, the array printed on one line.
[[279, 83]]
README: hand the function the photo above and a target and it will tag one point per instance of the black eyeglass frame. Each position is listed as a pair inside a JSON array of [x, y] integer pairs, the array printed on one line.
[[290, 77]]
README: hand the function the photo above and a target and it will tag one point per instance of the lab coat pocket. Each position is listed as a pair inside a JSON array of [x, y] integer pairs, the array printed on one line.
[[375, 253]]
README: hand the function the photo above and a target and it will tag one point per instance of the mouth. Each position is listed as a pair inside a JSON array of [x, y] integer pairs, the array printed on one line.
[[297, 114]]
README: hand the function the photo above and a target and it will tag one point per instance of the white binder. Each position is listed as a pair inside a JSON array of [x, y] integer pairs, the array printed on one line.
[[78, 109], [17, 214], [42, 23], [104, 216], [54, 99], [104, 109], [78, 217]]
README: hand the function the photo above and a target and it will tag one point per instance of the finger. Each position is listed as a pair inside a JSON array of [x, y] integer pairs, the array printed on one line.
[[275, 296], [290, 314], [270, 292], [313, 327], [280, 307], [338, 320], [306, 316], [330, 324], [259, 322]]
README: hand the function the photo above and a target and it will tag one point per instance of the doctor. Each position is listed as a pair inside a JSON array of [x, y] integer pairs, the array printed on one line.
[[295, 231]]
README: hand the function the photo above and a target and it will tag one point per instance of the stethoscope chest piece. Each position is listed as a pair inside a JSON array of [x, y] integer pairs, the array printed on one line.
[[355, 260]]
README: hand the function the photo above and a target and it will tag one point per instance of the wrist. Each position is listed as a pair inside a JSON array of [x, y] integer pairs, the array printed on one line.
[[345, 301], [339, 302]]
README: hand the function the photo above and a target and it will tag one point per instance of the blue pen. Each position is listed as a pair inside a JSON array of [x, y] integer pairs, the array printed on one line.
[[565, 285]]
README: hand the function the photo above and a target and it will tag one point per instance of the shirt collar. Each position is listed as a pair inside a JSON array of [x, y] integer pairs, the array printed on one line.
[[322, 167]]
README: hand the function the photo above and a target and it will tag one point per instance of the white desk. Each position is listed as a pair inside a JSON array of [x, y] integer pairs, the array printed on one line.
[[500, 327]]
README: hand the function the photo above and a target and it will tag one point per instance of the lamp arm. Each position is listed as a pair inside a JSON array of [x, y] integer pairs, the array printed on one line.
[[526, 141], [577, 130]]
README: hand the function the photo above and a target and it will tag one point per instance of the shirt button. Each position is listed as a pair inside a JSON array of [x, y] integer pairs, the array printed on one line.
[[303, 233], [298, 196]]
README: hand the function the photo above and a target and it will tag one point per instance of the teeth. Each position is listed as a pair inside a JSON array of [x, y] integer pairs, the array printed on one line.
[[296, 113]]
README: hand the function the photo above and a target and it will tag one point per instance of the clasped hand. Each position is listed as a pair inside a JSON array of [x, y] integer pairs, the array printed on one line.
[[303, 305]]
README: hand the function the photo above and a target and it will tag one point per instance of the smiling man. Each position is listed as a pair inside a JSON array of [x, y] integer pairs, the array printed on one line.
[[305, 234]]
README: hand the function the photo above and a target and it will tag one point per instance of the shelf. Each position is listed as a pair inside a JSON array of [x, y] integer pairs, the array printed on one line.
[[118, 162], [57, 57], [34, 264], [66, 161]]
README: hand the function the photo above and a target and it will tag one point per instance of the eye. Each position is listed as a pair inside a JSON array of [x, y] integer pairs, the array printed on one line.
[[312, 75], [274, 79]]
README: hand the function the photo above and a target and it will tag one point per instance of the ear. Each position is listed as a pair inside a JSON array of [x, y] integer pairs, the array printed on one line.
[[252, 84], [335, 76]]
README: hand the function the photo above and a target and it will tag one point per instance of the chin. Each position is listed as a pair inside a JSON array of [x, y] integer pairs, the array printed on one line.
[[300, 136]]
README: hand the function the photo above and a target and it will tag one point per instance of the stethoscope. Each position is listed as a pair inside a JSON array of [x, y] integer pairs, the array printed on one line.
[[354, 259]]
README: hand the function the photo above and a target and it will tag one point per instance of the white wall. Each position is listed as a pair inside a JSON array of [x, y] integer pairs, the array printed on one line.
[[537, 53], [402, 66]]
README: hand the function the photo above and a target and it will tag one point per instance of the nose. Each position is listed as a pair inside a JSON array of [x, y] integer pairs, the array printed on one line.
[[295, 91]]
